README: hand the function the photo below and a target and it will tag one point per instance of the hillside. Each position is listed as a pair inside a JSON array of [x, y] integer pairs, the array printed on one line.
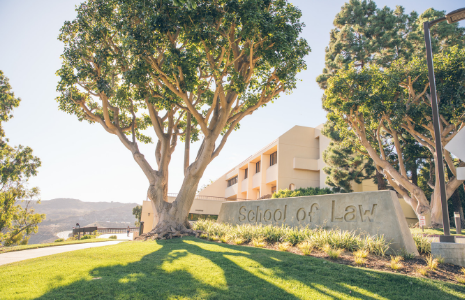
[[62, 214]]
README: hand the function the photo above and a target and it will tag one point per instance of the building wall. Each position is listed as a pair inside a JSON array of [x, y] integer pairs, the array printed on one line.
[[300, 162]]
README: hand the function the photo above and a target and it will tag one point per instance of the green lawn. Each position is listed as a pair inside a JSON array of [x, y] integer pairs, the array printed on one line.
[[36, 246], [438, 231], [191, 268]]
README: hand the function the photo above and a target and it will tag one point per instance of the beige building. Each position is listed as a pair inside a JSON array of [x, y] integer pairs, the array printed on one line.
[[294, 160]]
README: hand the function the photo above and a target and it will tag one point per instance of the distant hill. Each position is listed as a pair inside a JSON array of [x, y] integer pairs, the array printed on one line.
[[63, 213]]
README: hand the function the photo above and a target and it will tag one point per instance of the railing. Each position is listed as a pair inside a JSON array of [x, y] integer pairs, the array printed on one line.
[[103, 230], [201, 197]]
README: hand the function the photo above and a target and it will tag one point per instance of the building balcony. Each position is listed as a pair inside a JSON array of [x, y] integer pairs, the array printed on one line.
[[230, 191], [272, 173]]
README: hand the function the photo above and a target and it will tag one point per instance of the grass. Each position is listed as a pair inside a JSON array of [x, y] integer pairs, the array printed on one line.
[[191, 268], [438, 231], [37, 246]]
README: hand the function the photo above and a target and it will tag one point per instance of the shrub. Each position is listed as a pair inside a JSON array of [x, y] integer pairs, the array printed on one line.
[[113, 237], [432, 262], [284, 246], [86, 237], [423, 244], [258, 242], [396, 262], [306, 247], [301, 192], [59, 240]]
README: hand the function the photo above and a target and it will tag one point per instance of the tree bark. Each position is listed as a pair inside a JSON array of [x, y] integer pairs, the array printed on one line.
[[188, 143], [381, 183], [457, 204]]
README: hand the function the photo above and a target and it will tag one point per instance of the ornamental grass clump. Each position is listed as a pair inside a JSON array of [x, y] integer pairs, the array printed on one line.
[[225, 238], [258, 242], [423, 243], [360, 257], [423, 271], [284, 246], [238, 241], [306, 247], [396, 263], [461, 278], [431, 262], [319, 237]]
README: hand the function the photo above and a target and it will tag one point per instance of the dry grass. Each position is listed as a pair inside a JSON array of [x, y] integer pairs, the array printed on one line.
[[284, 246], [395, 263], [306, 247]]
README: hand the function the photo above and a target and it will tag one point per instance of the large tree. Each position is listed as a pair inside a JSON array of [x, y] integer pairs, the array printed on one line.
[[370, 47], [139, 65], [17, 164], [387, 107]]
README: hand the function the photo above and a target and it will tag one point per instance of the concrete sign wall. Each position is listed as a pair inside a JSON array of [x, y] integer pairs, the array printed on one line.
[[369, 212]]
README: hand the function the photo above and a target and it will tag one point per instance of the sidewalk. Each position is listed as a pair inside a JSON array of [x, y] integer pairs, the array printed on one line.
[[11, 257]]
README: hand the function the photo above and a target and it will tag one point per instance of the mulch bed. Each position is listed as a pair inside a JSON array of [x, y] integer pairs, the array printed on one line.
[[445, 272]]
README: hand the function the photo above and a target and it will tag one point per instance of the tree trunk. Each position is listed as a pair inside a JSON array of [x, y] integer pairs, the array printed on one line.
[[187, 143], [414, 174], [381, 183], [172, 218], [457, 204]]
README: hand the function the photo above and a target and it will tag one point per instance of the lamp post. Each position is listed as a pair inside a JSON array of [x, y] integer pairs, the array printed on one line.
[[452, 17]]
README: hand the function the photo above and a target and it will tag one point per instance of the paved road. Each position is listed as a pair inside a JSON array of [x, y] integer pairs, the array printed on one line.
[[10, 257]]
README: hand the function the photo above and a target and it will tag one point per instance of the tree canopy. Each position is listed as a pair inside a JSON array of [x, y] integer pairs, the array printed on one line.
[[17, 164], [140, 65], [377, 97]]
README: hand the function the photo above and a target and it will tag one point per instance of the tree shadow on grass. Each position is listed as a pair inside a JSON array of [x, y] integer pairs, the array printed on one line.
[[197, 269]]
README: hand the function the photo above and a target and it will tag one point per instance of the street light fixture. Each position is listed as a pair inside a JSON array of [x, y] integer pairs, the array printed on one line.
[[452, 17]]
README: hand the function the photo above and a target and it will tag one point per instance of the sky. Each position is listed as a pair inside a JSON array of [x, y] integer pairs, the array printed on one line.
[[82, 161]]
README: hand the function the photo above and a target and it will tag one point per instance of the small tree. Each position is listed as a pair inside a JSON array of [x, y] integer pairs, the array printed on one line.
[[137, 212], [17, 220], [145, 64]]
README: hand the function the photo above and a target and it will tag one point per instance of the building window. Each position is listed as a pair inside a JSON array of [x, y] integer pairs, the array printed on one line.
[[292, 186], [257, 167], [258, 193], [149, 214], [273, 158], [246, 173], [273, 189], [232, 181]]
